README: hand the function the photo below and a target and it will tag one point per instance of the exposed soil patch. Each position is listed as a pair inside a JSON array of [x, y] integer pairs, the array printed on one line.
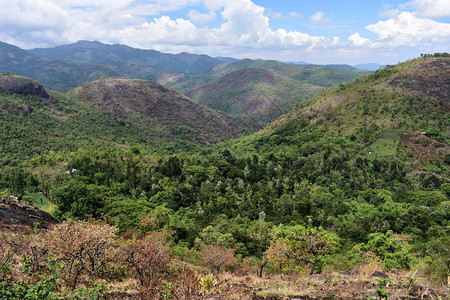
[[335, 286]]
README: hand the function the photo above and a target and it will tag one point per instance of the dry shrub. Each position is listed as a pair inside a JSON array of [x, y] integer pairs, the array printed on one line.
[[132, 234], [148, 258], [216, 257], [13, 246], [276, 254], [86, 247], [187, 285]]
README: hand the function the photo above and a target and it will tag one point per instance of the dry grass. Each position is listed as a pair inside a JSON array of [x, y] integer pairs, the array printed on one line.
[[295, 286]]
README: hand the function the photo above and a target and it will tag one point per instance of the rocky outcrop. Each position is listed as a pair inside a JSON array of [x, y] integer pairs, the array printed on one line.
[[21, 85], [13, 213]]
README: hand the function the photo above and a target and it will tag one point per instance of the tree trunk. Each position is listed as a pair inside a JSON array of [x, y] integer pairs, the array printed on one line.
[[261, 267], [313, 266]]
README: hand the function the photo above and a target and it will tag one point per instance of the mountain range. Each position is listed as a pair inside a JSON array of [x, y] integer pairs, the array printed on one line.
[[259, 102]]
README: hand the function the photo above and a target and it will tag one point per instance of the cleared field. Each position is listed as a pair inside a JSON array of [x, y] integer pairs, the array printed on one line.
[[384, 147]]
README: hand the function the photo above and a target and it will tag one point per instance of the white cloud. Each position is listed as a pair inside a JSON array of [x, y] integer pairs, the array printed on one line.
[[279, 16], [244, 27], [197, 17], [319, 17], [276, 15], [408, 30], [295, 15], [357, 40], [431, 8]]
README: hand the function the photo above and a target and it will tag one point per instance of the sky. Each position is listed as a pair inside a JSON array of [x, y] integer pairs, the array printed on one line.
[[318, 31]]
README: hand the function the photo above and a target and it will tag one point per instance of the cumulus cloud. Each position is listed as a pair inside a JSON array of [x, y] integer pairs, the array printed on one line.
[[408, 30], [357, 40], [431, 8], [197, 17], [244, 26], [50, 22]]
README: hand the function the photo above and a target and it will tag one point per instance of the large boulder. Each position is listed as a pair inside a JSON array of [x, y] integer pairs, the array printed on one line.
[[14, 213]]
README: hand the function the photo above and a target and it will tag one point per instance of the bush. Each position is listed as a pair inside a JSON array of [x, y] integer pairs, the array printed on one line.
[[392, 253]]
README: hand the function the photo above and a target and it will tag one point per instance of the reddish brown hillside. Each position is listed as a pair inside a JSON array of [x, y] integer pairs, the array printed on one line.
[[148, 102], [429, 79]]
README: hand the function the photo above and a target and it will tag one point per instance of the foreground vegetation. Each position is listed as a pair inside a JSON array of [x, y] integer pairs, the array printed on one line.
[[90, 260]]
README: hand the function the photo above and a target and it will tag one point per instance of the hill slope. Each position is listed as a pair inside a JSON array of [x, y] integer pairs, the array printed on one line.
[[258, 94], [360, 172], [392, 113], [316, 75], [258, 90], [55, 74], [140, 100], [110, 112]]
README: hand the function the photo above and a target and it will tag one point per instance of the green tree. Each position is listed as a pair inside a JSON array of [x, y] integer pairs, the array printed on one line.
[[392, 253], [77, 199], [306, 244]]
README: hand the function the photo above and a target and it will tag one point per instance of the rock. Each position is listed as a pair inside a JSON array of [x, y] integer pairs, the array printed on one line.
[[13, 213], [379, 274], [21, 85]]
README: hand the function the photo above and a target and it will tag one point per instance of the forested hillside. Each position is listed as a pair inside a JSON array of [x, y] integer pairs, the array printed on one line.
[[354, 177], [255, 94], [258, 91], [104, 113]]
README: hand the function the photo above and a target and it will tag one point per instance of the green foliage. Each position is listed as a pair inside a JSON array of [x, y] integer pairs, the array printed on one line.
[[306, 244], [392, 253], [42, 282], [78, 200], [381, 290], [207, 282], [303, 175]]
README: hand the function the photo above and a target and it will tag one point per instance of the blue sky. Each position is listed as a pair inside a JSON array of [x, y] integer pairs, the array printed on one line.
[[319, 31]]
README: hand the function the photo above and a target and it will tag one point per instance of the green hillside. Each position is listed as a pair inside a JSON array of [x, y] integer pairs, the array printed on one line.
[[316, 75], [257, 94], [259, 91], [117, 54], [55, 74], [109, 112], [380, 113]]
